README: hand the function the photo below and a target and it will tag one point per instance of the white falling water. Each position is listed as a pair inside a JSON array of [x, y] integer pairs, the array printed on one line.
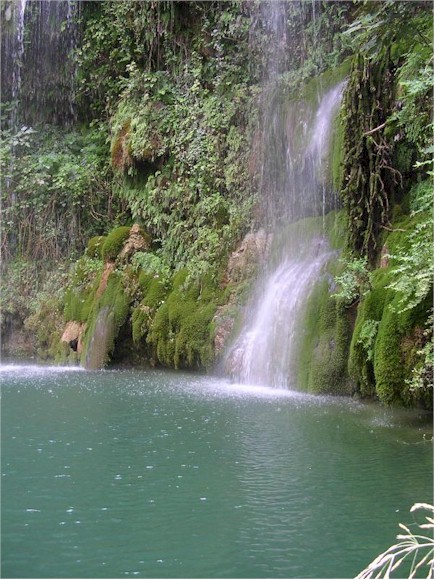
[[264, 353], [38, 41], [321, 131], [17, 57]]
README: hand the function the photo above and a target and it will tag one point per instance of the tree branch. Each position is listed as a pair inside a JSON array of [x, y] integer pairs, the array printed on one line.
[[393, 229], [378, 128]]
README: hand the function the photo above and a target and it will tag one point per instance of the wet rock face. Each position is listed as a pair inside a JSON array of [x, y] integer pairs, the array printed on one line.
[[251, 252], [233, 363], [101, 341], [224, 325], [242, 267]]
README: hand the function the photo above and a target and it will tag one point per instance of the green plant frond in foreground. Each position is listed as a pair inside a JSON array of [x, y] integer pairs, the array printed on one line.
[[414, 552]]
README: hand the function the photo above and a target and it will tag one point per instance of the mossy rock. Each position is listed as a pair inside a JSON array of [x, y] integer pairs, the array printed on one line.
[[79, 298], [371, 308], [114, 242], [396, 351], [120, 150], [94, 248], [154, 294], [193, 344], [109, 312], [324, 344], [382, 363], [181, 333]]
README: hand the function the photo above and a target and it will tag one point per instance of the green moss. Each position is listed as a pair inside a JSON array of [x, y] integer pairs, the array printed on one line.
[[396, 351], [371, 308], [324, 344], [80, 295], [337, 141], [181, 332], [193, 343], [120, 146], [95, 247], [114, 242], [107, 315], [382, 363], [335, 227], [154, 294], [319, 84]]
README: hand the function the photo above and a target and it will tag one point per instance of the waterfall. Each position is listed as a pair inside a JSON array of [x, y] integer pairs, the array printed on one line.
[[39, 38], [38, 43], [263, 355], [12, 49], [295, 183]]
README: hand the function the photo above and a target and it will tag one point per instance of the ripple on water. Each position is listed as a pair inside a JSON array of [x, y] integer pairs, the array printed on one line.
[[254, 478]]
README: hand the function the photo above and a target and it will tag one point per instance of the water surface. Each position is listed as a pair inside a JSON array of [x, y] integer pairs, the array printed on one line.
[[155, 474]]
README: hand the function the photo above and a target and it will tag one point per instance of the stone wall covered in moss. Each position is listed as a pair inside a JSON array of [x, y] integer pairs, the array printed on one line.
[[126, 310]]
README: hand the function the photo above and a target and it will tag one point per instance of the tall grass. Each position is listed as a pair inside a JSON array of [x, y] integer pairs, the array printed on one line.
[[414, 553]]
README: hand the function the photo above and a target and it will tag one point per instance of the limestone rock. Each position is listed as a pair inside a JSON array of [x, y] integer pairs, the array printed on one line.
[[252, 251], [137, 241], [73, 334], [224, 325], [242, 267], [108, 269]]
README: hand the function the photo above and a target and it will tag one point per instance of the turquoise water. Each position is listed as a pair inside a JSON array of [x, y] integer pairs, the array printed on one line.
[[154, 474]]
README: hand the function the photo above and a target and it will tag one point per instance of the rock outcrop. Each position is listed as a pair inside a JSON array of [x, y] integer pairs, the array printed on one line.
[[251, 252], [242, 268], [73, 334]]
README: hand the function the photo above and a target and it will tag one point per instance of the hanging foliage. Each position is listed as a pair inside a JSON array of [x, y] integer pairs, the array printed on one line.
[[369, 179]]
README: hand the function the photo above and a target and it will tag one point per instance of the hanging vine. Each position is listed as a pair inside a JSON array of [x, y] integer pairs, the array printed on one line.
[[369, 179]]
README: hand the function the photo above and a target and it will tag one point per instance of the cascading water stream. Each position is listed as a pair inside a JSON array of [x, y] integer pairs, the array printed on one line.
[[12, 56], [295, 180], [263, 354]]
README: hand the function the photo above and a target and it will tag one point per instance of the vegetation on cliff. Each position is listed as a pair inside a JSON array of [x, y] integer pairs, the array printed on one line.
[[167, 136], [387, 192]]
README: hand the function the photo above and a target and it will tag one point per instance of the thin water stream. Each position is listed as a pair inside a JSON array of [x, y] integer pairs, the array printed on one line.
[[152, 474]]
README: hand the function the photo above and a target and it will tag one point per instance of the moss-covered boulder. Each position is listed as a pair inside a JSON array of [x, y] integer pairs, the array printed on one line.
[[325, 338], [108, 314], [181, 333], [94, 248], [388, 337], [114, 242]]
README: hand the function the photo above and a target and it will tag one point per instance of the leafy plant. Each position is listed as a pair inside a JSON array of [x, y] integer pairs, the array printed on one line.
[[413, 272], [367, 337], [55, 191], [152, 264], [353, 282]]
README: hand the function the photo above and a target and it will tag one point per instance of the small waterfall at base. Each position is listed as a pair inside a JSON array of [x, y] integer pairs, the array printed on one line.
[[295, 184], [263, 355]]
